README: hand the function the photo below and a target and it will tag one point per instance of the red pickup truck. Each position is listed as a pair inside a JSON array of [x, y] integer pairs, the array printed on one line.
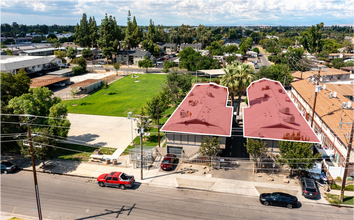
[[116, 179]]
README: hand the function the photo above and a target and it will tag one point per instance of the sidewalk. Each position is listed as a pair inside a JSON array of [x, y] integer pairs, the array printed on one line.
[[157, 178]]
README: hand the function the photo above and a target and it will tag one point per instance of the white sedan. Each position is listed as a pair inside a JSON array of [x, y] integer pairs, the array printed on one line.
[[98, 65]]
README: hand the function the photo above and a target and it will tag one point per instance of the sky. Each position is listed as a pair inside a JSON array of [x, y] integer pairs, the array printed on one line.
[[177, 12]]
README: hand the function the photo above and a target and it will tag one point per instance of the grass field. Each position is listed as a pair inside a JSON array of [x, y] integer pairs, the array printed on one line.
[[72, 155], [121, 97], [347, 188]]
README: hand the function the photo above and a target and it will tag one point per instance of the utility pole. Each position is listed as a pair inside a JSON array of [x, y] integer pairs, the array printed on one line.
[[141, 143], [302, 66], [287, 65], [314, 104], [158, 125], [34, 170], [347, 163]]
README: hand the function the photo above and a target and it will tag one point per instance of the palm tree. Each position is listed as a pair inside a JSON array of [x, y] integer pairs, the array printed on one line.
[[228, 80], [244, 75]]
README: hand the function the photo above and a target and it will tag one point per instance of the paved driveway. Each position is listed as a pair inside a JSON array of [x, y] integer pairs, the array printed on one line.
[[106, 131]]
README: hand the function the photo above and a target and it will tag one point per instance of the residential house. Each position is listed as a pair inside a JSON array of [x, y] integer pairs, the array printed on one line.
[[50, 51], [349, 69], [134, 56], [333, 115], [327, 74], [30, 64], [203, 113], [17, 40], [196, 47]]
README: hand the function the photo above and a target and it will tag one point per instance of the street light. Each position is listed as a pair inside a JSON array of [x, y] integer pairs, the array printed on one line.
[[131, 124]]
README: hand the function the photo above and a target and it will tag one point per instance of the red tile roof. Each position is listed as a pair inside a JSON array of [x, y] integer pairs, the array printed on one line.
[[272, 115], [203, 111]]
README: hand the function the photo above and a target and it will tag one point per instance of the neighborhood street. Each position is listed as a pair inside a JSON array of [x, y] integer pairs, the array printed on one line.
[[65, 197]]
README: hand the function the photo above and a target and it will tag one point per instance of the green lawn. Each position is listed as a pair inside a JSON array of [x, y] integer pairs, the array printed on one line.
[[123, 96], [334, 199], [150, 142], [347, 188], [71, 155]]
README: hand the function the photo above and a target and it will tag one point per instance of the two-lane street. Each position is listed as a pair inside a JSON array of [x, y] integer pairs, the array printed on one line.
[[65, 197]]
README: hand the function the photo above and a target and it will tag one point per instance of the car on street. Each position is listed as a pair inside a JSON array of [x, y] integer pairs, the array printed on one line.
[[308, 187], [97, 65], [116, 179], [173, 55], [7, 167], [278, 199], [59, 84], [102, 62], [168, 161], [256, 66]]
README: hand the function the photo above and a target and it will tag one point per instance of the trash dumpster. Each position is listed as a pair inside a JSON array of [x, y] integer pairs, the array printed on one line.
[[114, 161], [108, 161]]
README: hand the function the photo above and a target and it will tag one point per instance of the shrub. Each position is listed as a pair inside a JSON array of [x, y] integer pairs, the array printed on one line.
[[75, 60], [77, 70], [246, 101], [82, 62]]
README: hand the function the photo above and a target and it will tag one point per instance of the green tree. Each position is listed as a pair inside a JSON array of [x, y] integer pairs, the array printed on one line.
[[204, 35], [51, 40], [128, 39], [210, 147], [57, 44], [257, 149], [40, 102], [275, 72], [87, 53], [13, 85], [297, 155], [82, 63], [167, 65], [71, 52], [93, 31], [77, 70], [9, 52], [178, 85], [82, 32], [105, 86], [60, 54], [52, 36], [146, 63], [312, 40], [231, 48], [152, 35], [256, 50], [109, 36], [230, 59], [229, 80], [116, 66], [36, 40]]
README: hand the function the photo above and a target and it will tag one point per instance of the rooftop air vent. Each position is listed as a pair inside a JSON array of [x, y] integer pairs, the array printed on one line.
[[192, 103], [335, 94], [280, 90], [290, 119], [183, 114], [330, 95], [210, 94], [324, 87], [265, 96], [349, 104], [344, 105], [310, 79], [285, 110], [313, 82]]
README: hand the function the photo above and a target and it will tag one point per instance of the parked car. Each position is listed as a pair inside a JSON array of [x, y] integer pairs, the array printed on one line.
[[173, 55], [59, 84], [102, 62], [116, 179], [309, 188], [7, 167], [97, 65], [256, 66], [278, 199], [168, 161]]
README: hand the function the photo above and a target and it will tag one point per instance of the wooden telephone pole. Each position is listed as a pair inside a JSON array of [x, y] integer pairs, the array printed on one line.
[[314, 104], [347, 163], [34, 168]]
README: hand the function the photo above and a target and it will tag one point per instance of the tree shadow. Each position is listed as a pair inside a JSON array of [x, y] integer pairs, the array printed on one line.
[[123, 210], [112, 93], [85, 103], [86, 138]]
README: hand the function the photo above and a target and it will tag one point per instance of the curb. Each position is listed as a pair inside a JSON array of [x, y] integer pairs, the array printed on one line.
[[56, 173]]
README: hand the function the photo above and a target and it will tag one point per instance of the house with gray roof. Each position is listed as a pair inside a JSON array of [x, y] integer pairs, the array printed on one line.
[[30, 64], [134, 56], [196, 47], [167, 47]]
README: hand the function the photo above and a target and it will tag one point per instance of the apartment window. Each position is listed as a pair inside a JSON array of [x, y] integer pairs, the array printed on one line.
[[191, 139], [184, 138], [344, 76], [177, 138]]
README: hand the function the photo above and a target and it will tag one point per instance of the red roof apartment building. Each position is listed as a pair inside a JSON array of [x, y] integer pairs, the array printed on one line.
[[203, 113]]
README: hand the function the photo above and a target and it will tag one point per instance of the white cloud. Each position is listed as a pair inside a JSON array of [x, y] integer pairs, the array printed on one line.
[[193, 11]]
